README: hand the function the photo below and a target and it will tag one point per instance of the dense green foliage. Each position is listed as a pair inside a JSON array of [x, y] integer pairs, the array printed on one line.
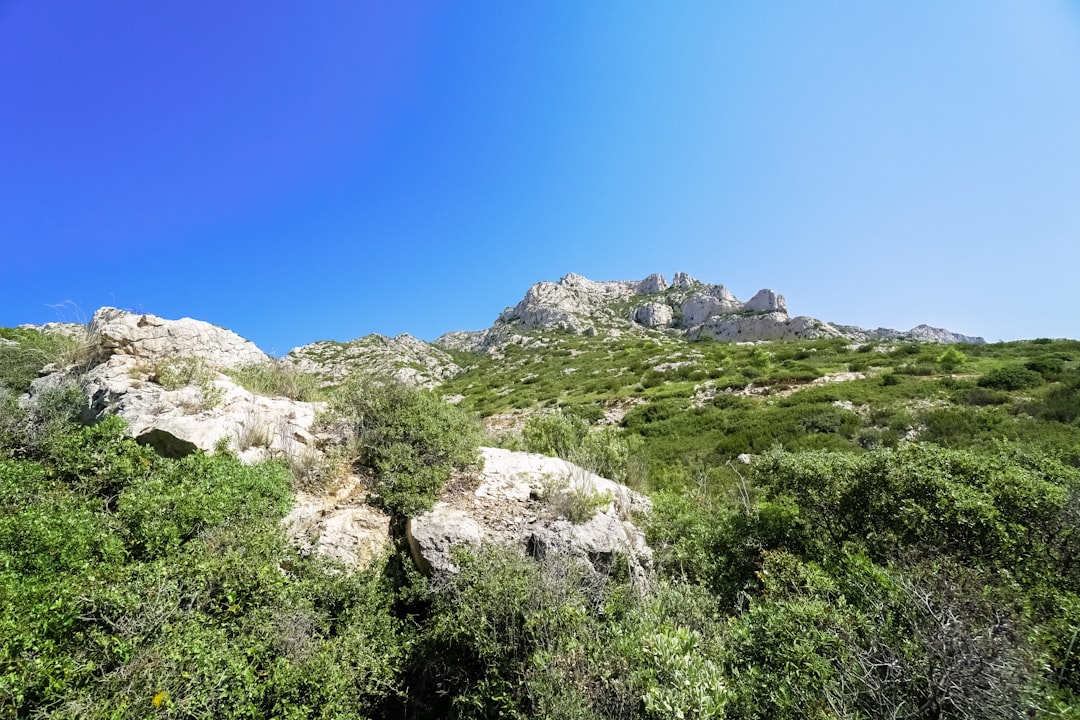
[[408, 438], [23, 352], [278, 378], [904, 542], [133, 585]]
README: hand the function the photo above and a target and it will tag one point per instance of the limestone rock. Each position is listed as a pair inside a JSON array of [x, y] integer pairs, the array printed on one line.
[[683, 281], [655, 283], [341, 525], [925, 333], [654, 314], [766, 301], [176, 422], [570, 304], [714, 300], [151, 338], [504, 507], [768, 326], [920, 333]]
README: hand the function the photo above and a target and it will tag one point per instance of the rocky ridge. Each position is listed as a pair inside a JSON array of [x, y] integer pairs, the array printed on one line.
[[404, 358], [687, 307]]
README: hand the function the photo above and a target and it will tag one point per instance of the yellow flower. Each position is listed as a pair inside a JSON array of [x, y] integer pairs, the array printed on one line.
[[159, 699]]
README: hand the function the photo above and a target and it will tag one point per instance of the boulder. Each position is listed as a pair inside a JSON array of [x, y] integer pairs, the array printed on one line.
[[200, 415], [520, 499]]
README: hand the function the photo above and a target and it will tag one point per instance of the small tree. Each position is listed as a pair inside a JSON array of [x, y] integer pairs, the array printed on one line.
[[951, 359], [409, 439]]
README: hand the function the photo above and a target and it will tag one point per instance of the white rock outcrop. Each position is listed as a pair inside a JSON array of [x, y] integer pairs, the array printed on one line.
[[340, 524], [210, 409], [683, 281], [699, 307], [766, 301], [655, 283], [151, 338], [516, 501], [654, 314], [767, 326], [177, 421]]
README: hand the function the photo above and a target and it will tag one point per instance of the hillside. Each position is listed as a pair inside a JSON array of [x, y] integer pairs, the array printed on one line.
[[622, 500]]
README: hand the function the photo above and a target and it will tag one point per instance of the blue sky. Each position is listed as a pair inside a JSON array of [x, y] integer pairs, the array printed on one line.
[[302, 171]]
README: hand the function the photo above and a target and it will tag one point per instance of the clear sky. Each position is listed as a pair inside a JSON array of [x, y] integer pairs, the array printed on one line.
[[323, 170]]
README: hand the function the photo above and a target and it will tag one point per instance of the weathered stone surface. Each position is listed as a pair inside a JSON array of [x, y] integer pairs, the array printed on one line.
[[766, 301], [198, 416], [654, 314], [655, 283], [340, 524], [683, 281], [571, 304], [504, 507], [768, 326], [151, 338], [709, 302], [403, 358]]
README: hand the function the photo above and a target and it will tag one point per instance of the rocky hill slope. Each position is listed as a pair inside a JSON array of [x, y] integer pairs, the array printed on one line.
[[686, 308]]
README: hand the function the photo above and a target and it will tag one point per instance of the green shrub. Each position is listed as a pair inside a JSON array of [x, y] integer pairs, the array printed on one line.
[[278, 378], [408, 439], [985, 396], [180, 372], [555, 434], [1012, 377], [569, 499], [951, 360], [24, 352]]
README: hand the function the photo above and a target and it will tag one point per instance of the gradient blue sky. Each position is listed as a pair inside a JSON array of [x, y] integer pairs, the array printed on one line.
[[301, 171]]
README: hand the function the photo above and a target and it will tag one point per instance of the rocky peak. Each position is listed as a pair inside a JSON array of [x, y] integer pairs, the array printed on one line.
[[683, 281], [651, 285], [767, 301], [688, 306]]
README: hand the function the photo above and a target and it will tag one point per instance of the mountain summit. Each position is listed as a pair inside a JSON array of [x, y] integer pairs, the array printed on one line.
[[687, 307]]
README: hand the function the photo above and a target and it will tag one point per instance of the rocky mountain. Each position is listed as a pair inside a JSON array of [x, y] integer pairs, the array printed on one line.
[[687, 307]]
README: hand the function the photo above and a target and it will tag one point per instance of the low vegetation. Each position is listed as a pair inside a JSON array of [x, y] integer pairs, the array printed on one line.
[[887, 530]]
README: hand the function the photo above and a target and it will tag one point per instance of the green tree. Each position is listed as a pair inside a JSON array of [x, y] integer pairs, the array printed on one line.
[[408, 439]]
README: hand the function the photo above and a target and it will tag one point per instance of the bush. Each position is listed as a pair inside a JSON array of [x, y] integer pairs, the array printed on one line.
[[951, 360], [1012, 377], [555, 434], [278, 378], [180, 372], [408, 439], [24, 352]]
